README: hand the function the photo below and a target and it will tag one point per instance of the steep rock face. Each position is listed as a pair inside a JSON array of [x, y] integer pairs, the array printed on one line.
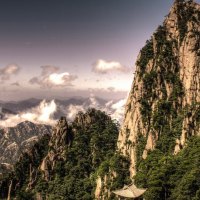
[[15, 140], [164, 98], [86, 119], [60, 140], [68, 163]]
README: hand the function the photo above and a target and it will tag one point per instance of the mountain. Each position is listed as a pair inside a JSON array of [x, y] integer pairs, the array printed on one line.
[[19, 106], [18, 139], [162, 110], [158, 145], [65, 166], [164, 99]]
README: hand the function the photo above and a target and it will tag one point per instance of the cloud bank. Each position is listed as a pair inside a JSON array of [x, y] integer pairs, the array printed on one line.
[[44, 113], [49, 78], [103, 67]]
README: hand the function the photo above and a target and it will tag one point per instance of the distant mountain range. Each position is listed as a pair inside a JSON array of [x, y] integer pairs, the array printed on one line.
[[5, 111], [19, 106]]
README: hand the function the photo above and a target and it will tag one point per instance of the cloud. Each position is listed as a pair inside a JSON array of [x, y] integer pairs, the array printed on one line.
[[46, 112], [41, 114], [49, 78], [118, 109], [72, 111], [103, 67], [114, 108], [8, 71]]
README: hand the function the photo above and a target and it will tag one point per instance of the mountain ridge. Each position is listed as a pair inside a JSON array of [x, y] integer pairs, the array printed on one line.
[[158, 145], [163, 91], [16, 140]]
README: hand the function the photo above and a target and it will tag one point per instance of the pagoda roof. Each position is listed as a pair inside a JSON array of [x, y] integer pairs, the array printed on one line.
[[130, 191]]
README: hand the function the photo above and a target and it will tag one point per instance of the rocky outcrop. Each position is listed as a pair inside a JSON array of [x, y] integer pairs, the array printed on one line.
[[91, 116], [18, 139], [103, 186], [67, 163], [164, 98], [61, 139]]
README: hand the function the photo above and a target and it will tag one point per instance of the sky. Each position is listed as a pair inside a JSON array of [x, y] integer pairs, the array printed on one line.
[[63, 48]]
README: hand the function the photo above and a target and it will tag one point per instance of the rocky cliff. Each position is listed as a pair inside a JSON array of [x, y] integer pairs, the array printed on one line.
[[162, 110], [68, 163], [60, 141], [159, 137]]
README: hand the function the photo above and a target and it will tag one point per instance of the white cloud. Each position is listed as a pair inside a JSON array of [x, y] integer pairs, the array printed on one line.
[[72, 111], [114, 108], [42, 114], [8, 71], [59, 79], [103, 67], [118, 109], [49, 78]]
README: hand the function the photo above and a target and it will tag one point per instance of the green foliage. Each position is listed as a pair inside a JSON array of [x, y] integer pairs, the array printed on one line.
[[171, 177], [184, 15], [140, 146], [145, 110], [94, 143], [90, 149], [25, 195], [146, 55], [118, 165], [149, 80]]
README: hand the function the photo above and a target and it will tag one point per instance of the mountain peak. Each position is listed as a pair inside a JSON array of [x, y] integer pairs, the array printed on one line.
[[165, 87], [180, 17]]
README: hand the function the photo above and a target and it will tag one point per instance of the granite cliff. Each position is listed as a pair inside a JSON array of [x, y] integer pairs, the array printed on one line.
[[162, 110], [160, 133], [158, 145], [67, 163]]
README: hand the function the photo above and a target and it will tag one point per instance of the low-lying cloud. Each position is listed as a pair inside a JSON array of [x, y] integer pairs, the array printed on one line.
[[103, 67], [49, 78], [113, 108], [45, 112], [8, 71], [42, 114]]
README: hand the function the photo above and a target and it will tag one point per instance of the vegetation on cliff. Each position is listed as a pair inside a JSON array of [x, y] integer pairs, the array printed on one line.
[[73, 169], [159, 138], [166, 114], [171, 177]]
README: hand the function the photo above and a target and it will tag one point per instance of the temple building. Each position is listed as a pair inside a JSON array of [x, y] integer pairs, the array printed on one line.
[[130, 192]]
